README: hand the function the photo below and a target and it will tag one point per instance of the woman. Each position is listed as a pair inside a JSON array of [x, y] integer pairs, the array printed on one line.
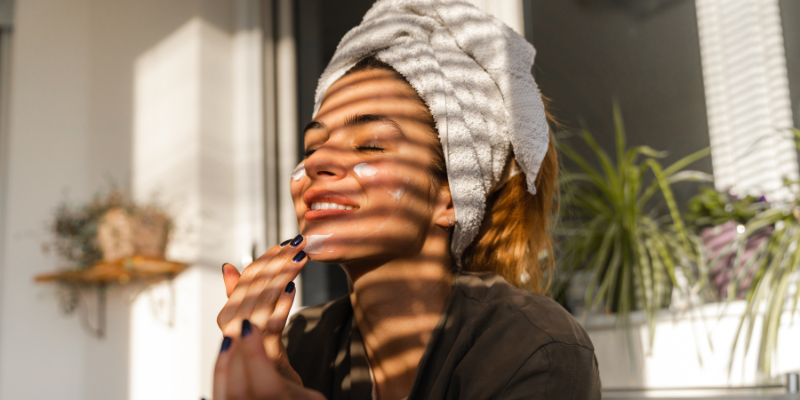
[[429, 176]]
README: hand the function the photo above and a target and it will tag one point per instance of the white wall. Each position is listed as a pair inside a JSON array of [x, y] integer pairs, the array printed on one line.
[[71, 132], [48, 153]]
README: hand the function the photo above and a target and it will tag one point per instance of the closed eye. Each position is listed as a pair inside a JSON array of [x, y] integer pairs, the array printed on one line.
[[370, 148], [309, 152]]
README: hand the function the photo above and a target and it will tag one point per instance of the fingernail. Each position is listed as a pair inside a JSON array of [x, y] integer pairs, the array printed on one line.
[[289, 287], [297, 240], [285, 242], [246, 328], [226, 344], [299, 256], [223, 267]]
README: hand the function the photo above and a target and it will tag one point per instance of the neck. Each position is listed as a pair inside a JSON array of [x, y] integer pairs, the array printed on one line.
[[397, 304]]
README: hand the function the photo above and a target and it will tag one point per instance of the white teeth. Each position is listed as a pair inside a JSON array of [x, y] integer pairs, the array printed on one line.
[[326, 206]]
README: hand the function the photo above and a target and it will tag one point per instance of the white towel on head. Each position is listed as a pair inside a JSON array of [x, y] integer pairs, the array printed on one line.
[[474, 74]]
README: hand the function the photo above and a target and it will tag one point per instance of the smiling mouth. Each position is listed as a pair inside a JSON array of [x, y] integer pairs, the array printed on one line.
[[331, 206]]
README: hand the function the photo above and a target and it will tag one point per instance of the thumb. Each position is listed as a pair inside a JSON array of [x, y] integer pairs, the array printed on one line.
[[231, 276]]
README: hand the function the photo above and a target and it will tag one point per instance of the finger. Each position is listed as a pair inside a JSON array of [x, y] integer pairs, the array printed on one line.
[[222, 369], [275, 249], [230, 275], [275, 291], [261, 290], [256, 274], [272, 339], [237, 385], [263, 380], [277, 321]]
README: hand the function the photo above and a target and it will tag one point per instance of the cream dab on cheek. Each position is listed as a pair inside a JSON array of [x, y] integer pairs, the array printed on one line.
[[364, 169], [314, 244], [398, 193], [299, 172]]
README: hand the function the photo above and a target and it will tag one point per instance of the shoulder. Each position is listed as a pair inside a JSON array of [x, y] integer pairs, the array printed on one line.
[[318, 321], [495, 301], [313, 338], [537, 349]]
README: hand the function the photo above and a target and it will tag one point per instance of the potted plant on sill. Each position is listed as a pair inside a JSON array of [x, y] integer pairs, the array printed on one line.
[[612, 228], [720, 219], [775, 262]]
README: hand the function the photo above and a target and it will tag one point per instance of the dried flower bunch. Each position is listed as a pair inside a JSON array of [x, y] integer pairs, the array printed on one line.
[[109, 228]]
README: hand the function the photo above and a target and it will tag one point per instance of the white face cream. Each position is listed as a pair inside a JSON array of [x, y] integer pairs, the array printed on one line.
[[365, 169], [314, 244], [398, 193], [299, 172]]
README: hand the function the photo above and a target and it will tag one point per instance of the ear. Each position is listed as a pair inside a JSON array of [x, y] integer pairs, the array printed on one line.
[[444, 214]]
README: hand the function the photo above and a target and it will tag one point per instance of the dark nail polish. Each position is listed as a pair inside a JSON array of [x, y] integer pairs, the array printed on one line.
[[226, 344], [299, 256], [297, 240], [289, 287], [246, 328], [285, 242]]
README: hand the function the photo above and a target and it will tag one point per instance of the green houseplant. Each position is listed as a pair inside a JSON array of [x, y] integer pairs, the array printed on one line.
[[775, 261], [612, 225]]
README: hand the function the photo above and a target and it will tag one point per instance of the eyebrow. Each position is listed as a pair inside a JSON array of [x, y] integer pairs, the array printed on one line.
[[313, 125], [355, 120]]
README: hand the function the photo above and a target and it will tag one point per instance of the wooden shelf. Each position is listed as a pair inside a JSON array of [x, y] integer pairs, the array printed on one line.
[[136, 268], [122, 271]]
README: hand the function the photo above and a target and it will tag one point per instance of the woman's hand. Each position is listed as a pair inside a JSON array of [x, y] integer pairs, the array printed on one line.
[[243, 371], [263, 295]]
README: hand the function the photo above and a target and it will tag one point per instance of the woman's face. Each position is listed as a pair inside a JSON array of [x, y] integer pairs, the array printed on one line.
[[366, 194]]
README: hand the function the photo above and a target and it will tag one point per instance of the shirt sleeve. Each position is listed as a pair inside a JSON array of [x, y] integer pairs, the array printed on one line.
[[556, 371]]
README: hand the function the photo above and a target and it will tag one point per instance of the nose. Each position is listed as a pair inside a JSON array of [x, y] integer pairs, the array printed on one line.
[[327, 162]]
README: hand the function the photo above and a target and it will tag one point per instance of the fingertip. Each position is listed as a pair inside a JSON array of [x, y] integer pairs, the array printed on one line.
[[289, 287], [299, 256], [247, 328], [226, 344], [297, 240]]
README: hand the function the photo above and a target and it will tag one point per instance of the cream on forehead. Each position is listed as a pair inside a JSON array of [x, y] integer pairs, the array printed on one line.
[[314, 243], [365, 169], [299, 172]]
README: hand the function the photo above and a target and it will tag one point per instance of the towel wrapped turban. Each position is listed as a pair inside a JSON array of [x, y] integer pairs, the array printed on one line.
[[474, 74]]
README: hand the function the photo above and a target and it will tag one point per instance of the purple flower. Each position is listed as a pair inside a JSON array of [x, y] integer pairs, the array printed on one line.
[[762, 199]]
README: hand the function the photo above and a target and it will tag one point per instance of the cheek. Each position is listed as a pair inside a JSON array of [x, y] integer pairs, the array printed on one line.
[[299, 172], [296, 190], [297, 182], [365, 170], [400, 189], [392, 181]]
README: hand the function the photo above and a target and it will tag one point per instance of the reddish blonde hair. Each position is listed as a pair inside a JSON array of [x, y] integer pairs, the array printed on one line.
[[514, 240]]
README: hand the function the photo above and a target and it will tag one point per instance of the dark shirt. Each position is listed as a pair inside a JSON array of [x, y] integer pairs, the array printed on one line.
[[493, 341]]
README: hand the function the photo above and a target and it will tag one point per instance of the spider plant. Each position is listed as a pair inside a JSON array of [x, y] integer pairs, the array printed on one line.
[[612, 225], [777, 259]]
